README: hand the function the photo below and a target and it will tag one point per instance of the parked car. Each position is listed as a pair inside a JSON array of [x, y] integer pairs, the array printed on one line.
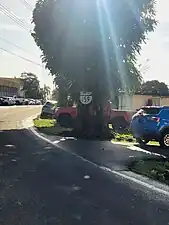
[[31, 102], [19, 100], [48, 109], [38, 102], [151, 123], [26, 101], [119, 119], [1, 101], [7, 101]]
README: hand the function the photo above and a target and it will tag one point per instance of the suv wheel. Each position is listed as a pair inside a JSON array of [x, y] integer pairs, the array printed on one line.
[[65, 120], [164, 142]]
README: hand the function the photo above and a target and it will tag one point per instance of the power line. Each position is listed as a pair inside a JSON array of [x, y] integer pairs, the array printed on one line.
[[7, 11], [27, 4], [17, 46], [13, 17], [19, 56]]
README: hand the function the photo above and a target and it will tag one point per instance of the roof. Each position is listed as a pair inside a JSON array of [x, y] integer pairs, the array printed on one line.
[[10, 82], [154, 107]]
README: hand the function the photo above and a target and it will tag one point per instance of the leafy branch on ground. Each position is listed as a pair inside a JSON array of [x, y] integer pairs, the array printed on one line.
[[124, 137]]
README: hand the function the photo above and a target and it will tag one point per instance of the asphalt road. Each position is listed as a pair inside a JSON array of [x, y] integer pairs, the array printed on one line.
[[42, 185]]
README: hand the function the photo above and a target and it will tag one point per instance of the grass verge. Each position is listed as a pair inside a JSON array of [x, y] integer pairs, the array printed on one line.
[[49, 126], [128, 138], [154, 169], [41, 123]]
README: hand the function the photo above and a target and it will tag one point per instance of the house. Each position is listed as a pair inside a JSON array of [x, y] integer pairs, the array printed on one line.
[[10, 87], [133, 102]]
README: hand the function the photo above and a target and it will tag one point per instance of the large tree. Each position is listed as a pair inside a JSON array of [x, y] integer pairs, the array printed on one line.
[[153, 87], [45, 92], [30, 85], [94, 43], [63, 87]]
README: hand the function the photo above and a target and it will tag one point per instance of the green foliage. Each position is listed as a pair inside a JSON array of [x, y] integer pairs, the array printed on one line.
[[92, 45], [154, 87], [55, 93], [63, 88], [39, 123], [155, 169], [44, 92], [31, 85]]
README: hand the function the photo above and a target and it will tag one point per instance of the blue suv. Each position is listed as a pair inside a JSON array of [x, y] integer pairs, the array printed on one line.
[[151, 123]]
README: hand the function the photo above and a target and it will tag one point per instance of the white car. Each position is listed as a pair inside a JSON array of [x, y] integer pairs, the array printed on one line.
[[8, 100], [19, 100], [31, 102]]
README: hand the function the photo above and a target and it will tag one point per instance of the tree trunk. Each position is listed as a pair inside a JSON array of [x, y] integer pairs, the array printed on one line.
[[91, 122]]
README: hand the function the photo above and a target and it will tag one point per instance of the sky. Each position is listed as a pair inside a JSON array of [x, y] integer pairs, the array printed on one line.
[[154, 55]]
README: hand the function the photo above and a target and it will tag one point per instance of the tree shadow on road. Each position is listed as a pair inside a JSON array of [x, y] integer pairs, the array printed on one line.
[[102, 153], [48, 186]]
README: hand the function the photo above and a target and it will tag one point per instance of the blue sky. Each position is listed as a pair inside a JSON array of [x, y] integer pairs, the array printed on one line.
[[154, 55]]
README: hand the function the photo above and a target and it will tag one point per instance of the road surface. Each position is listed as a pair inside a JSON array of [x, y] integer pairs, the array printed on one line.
[[42, 185]]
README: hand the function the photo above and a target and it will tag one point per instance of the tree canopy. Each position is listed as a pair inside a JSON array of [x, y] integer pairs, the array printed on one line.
[[45, 92], [31, 87], [92, 45], [153, 87]]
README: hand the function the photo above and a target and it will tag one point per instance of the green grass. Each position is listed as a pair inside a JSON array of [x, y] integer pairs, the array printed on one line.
[[124, 138], [154, 169], [120, 137], [49, 126], [40, 123]]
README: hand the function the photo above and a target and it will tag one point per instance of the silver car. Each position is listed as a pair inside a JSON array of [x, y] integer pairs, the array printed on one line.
[[48, 109]]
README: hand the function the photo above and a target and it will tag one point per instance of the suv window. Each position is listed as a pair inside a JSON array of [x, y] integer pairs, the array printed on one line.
[[152, 111], [49, 104]]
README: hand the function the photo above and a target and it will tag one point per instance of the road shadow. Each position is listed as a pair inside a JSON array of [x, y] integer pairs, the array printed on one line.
[[41, 184], [10, 150], [154, 149], [46, 185], [102, 153], [70, 132]]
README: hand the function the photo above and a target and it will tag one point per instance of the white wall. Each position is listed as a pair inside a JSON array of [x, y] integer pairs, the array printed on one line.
[[133, 102], [125, 102]]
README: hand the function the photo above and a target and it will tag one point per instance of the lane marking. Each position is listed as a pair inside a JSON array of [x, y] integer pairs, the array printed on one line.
[[132, 147], [135, 148], [120, 174]]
